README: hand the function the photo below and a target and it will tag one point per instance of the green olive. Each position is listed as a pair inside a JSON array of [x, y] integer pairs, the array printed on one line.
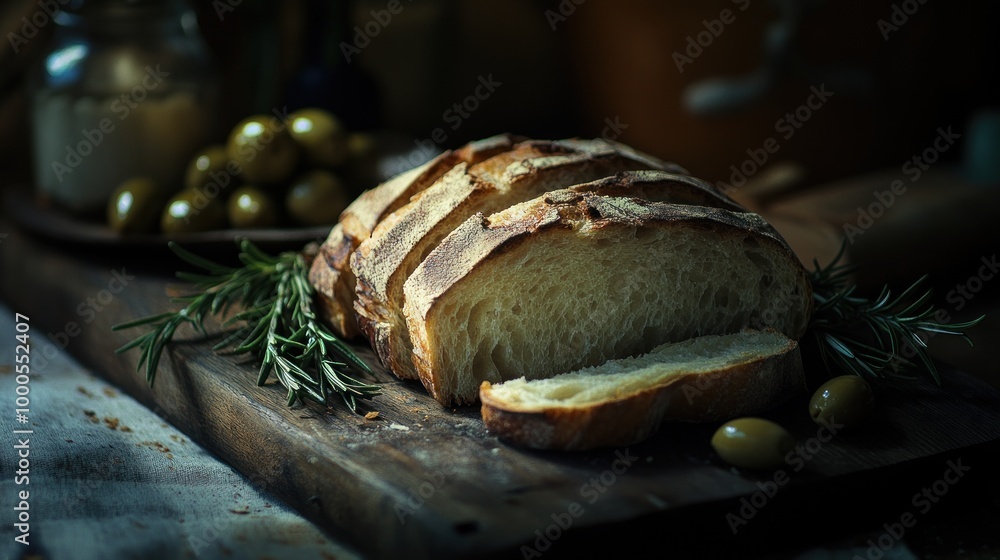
[[250, 207], [316, 198], [753, 443], [361, 145], [263, 150], [847, 400], [206, 166], [191, 210], [135, 205], [320, 135]]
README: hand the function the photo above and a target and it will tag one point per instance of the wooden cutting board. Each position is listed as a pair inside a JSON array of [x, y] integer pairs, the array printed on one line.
[[431, 482]]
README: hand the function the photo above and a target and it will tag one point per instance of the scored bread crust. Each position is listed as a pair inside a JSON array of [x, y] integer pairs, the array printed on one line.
[[471, 247], [383, 262], [330, 273], [744, 388]]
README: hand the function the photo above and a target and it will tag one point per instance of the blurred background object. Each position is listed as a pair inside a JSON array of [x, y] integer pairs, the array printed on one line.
[[122, 89], [605, 60], [809, 111]]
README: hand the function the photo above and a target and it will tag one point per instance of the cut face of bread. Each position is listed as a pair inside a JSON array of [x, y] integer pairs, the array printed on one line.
[[383, 262], [330, 272], [624, 401], [572, 280]]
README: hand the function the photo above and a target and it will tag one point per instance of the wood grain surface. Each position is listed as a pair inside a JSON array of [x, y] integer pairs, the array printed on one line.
[[431, 482]]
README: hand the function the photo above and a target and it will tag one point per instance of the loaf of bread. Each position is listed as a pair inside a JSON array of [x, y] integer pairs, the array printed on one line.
[[571, 280], [521, 259], [624, 401], [383, 262]]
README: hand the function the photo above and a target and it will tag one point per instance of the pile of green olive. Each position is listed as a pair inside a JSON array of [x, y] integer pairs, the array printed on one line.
[[268, 173], [759, 444]]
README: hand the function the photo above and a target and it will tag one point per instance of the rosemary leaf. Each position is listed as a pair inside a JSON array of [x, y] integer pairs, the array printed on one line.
[[275, 323], [868, 337]]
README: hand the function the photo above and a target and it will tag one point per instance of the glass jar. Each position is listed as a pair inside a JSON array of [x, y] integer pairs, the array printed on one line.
[[127, 88]]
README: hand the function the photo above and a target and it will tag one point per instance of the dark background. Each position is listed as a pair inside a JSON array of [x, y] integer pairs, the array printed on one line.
[[604, 60]]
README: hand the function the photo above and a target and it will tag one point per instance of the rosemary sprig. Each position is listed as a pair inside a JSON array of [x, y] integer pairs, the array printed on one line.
[[275, 322], [872, 337]]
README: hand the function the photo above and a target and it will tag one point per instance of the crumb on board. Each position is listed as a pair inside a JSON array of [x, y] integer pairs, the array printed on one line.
[[83, 391], [242, 511], [92, 416], [109, 392], [371, 415]]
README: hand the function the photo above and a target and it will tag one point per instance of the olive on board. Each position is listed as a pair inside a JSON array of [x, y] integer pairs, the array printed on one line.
[[753, 443], [135, 206], [250, 207], [316, 198], [320, 135], [263, 150], [190, 211], [845, 400], [206, 167]]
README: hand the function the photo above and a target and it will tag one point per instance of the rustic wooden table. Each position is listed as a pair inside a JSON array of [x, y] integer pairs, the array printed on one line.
[[434, 483]]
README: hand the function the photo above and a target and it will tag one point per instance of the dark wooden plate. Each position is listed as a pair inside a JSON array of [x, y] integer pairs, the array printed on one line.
[[24, 209]]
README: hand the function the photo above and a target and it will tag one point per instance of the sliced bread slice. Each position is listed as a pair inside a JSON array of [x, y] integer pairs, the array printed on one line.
[[621, 402], [384, 261], [572, 280], [330, 272]]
